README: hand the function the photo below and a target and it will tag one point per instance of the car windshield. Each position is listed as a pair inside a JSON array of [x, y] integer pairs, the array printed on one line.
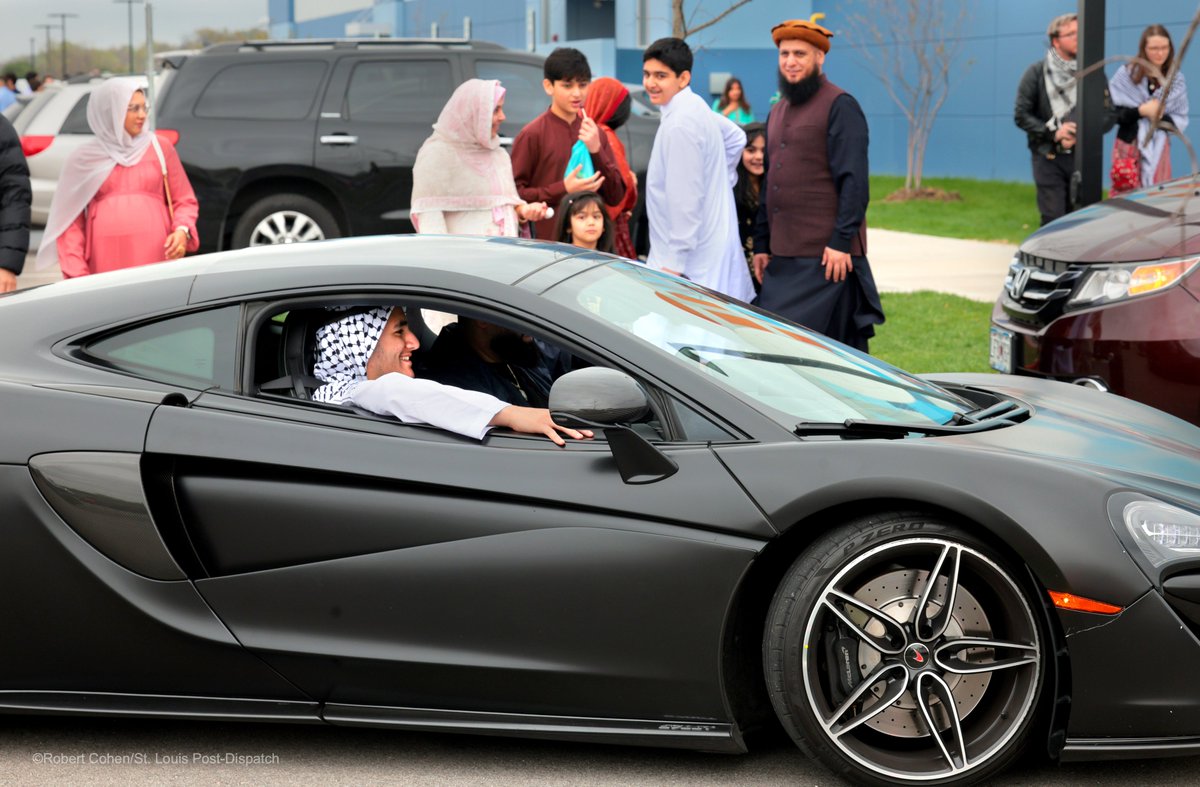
[[792, 374]]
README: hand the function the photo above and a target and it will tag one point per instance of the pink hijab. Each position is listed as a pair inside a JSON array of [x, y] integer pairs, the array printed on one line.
[[461, 167], [90, 165]]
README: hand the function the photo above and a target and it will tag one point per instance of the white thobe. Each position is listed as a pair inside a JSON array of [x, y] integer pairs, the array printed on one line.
[[416, 401], [689, 196]]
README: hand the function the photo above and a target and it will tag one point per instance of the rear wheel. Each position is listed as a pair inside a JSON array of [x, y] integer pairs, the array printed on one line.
[[284, 218], [900, 649]]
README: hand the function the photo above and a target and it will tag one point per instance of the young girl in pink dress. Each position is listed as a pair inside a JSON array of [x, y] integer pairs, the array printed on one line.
[[110, 209]]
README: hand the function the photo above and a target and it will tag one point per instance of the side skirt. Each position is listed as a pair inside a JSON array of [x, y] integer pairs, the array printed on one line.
[[157, 706], [701, 735], [1085, 749]]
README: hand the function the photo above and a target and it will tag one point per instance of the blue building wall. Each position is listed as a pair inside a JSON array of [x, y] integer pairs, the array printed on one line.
[[974, 135]]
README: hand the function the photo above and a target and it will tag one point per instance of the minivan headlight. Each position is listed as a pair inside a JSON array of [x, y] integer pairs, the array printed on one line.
[[1108, 283]]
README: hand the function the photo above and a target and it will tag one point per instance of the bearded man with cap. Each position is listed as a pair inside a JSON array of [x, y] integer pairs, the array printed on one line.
[[365, 359], [810, 241]]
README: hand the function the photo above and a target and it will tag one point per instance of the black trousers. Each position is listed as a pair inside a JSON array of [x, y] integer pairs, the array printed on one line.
[[1053, 179]]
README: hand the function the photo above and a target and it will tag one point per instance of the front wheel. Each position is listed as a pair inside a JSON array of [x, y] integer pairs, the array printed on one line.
[[901, 649], [284, 218]]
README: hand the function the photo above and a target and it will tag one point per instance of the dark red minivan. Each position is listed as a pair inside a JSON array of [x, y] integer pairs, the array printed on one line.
[[1109, 296]]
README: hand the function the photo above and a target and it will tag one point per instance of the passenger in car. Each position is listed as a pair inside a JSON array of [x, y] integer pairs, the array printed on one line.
[[482, 356], [365, 359]]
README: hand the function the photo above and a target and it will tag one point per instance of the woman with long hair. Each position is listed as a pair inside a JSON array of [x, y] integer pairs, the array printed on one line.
[[123, 198], [1137, 96], [584, 222], [746, 194], [733, 103], [462, 178], [608, 103]]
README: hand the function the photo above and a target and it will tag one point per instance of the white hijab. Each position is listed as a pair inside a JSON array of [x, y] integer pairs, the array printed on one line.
[[90, 165]]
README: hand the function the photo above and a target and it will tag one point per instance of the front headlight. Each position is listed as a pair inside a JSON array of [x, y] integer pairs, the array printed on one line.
[[1117, 282], [1162, 532]]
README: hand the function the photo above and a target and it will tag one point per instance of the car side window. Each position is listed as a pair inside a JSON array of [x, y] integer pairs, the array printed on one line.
[[76, 122], [262, 91], [524, 98], [196, 350], [398, 91]]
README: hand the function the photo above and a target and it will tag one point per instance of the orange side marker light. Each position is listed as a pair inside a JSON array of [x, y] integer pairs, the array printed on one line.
[[1081, 604]]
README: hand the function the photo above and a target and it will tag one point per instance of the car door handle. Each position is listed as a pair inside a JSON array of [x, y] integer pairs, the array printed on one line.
[[339, 139]]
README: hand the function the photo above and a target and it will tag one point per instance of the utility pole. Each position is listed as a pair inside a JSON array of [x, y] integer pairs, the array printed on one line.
[[63, 21], [130, 4], [47, 28], [32, 53], [1088, 180]]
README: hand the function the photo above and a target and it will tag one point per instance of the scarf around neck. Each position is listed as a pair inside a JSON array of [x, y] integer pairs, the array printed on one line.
[[1060, 87]]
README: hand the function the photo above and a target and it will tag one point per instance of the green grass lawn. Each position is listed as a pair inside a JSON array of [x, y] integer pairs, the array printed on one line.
[[933, 332], [989, 210]]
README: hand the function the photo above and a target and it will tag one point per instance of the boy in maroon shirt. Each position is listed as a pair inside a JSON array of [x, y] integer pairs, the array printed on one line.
[[542, 149]]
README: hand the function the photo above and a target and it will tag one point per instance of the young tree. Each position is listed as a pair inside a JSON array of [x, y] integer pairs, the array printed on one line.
[[681, 21], [912, 47]]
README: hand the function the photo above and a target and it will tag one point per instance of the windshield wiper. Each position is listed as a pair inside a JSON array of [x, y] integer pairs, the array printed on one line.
[[994, 417]]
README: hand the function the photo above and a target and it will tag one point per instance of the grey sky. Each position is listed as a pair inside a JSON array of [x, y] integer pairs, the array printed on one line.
[[104, 23]]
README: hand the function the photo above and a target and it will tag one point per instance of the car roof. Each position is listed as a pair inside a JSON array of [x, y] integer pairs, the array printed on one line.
[[349, 44], [380, 260]]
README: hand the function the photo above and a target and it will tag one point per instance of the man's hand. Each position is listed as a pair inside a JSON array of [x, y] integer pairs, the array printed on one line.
[[8, 280], [573, 183], [760, 262], [175, 245], [837, 264], [535, 420], [531, 211], [1065, 134], [589, 133]]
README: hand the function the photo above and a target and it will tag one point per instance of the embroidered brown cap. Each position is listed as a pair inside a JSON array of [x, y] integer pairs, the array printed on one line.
[[805, 30]]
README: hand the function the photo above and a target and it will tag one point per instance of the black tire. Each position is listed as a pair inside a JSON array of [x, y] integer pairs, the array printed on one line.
[[858, 680], [284, 218]]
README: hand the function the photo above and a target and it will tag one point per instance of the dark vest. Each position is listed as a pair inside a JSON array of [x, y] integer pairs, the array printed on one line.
[[802, 198]]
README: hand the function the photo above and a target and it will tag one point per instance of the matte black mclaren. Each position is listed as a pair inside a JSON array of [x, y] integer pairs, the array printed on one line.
[[917, 578]]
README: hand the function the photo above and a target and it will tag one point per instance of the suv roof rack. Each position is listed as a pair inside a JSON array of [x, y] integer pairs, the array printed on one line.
[[267, 45]]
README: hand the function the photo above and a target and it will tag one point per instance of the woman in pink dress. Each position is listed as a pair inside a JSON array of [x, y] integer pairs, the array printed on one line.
[[110, 209]]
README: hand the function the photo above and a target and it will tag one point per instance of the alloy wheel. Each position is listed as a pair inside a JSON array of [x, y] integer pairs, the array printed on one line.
[[285, 226], [921, 660]]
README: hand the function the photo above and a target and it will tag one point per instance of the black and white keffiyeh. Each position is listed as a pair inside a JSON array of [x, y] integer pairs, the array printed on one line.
[[343, 349], [1060, 87]]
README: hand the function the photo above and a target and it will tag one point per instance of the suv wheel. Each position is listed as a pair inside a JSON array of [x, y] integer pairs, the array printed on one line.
[[284, 218]]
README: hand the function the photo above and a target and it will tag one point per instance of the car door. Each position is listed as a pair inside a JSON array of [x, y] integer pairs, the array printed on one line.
[[377, 112], [375, 563], [100, 613]]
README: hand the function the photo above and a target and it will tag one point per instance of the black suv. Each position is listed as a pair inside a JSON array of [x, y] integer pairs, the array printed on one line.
[[288, 141]]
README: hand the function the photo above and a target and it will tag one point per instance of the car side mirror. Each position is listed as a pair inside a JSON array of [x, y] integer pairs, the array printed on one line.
[[607, 400]]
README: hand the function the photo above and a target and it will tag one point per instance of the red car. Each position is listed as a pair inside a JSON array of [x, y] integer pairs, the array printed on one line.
[[1109, 296]]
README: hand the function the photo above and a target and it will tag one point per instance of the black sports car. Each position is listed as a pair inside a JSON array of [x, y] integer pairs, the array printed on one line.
[[916, 578]]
